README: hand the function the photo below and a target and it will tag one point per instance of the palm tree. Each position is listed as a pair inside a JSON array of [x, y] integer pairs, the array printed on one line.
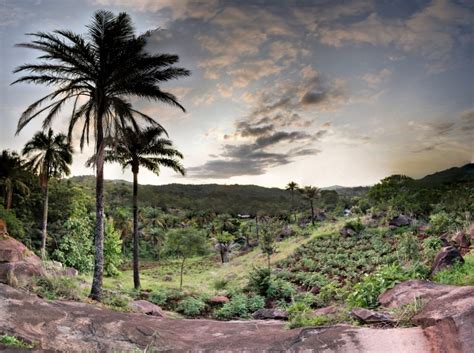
[[310, 193], [292, 187], [12, 172], [97, 72], [49, 156], [146, 148]]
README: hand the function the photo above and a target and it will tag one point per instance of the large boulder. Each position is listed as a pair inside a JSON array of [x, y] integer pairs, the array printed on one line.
[[17, 263], [147, 308], [60, 326], [407, 292], [400, 221], [270, 314], [447, 257], [448, 321]]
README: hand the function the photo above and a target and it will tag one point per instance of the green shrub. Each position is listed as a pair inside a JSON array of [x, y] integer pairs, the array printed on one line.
[[440, 223], [53, 288], [259, 280], [235, 308], [190, 306], [15, 227], [280, 289], [408, 248], [13, 341], [431, 247], [355, 224], [365, 293], [255, 303], [112, 249], [301, 315], [404, 314], [116, 301], [166, 298], [220, 284], [460, 274]]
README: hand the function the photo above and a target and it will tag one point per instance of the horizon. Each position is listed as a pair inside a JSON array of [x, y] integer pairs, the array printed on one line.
[[339, 93]]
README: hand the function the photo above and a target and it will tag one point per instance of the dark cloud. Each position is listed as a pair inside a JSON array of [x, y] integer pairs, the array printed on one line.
[[314, 97], [256, 158]]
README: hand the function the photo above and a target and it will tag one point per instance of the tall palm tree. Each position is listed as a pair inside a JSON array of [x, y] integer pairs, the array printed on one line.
[[12, 172], [292, 187], [97, 72], [146, 148], [310, 193], [49, 156]]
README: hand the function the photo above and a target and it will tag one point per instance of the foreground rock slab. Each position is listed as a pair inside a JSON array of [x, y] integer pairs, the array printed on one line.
[[78, 327]]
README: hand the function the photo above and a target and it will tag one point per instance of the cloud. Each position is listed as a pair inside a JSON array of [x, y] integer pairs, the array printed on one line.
[[432, 32], [467, 121], [374, 79], [254, 158]]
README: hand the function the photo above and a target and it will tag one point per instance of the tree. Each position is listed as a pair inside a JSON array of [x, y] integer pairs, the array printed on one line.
[[12, 171], [268, 240], [97, 72], [49, 156], [310, 193], [292, 187], [184, 243], [146, 148]]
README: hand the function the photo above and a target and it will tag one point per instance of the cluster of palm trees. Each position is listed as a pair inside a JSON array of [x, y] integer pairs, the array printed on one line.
[[309, 193], [96, 74]]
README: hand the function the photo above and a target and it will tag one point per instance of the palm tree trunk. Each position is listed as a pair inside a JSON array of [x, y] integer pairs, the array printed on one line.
[[136, 265], [312, 212], [44, 221], [96, 290]]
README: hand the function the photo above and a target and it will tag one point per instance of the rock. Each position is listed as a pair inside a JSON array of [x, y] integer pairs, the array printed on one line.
[[220, 299], [17, 263], [167, 278], [407, 292], [270, 314], [446, 258], [147, 308], [448, 320], [347, 232], [462, 240], [70, 272], [371, 317], [62, 326], [327, 310], [400, 221]]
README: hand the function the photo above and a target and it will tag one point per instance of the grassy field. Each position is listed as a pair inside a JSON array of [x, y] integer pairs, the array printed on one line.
[[201, 273]]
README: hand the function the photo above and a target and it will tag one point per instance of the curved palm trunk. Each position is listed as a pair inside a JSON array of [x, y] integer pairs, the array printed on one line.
[[8, 199], [44, 221], [96, 290], [136, 264], [312, 212]]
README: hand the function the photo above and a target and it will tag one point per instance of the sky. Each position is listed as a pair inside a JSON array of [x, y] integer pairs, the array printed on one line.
[[319, 92]]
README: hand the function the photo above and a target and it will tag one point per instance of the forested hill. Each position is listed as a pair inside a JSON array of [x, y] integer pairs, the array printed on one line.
[[235, 199], [451, 175]]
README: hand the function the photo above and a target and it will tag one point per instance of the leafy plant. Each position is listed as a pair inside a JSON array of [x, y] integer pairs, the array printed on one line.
[[190, 306], [15, 342], [54, 288]]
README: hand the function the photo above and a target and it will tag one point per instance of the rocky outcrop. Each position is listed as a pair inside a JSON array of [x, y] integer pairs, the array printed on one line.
[[448, 321], [220, 299], [407, 292], [79, 327], [17, 263], [270, 314], [447, 257], [447, 316], [400, 221]]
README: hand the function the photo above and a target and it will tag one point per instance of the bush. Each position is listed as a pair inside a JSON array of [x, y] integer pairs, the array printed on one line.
[[54, 288], [431, 247], [13, 341], [301, 315], [112, 249], [460, 274], [280, 289], [240, 306], [440, 223], [366, 292], [190, 306], [14, 226], [116, 301], [166, 298], [259, 280], [235, 308], [408, 249], [355, 224]]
